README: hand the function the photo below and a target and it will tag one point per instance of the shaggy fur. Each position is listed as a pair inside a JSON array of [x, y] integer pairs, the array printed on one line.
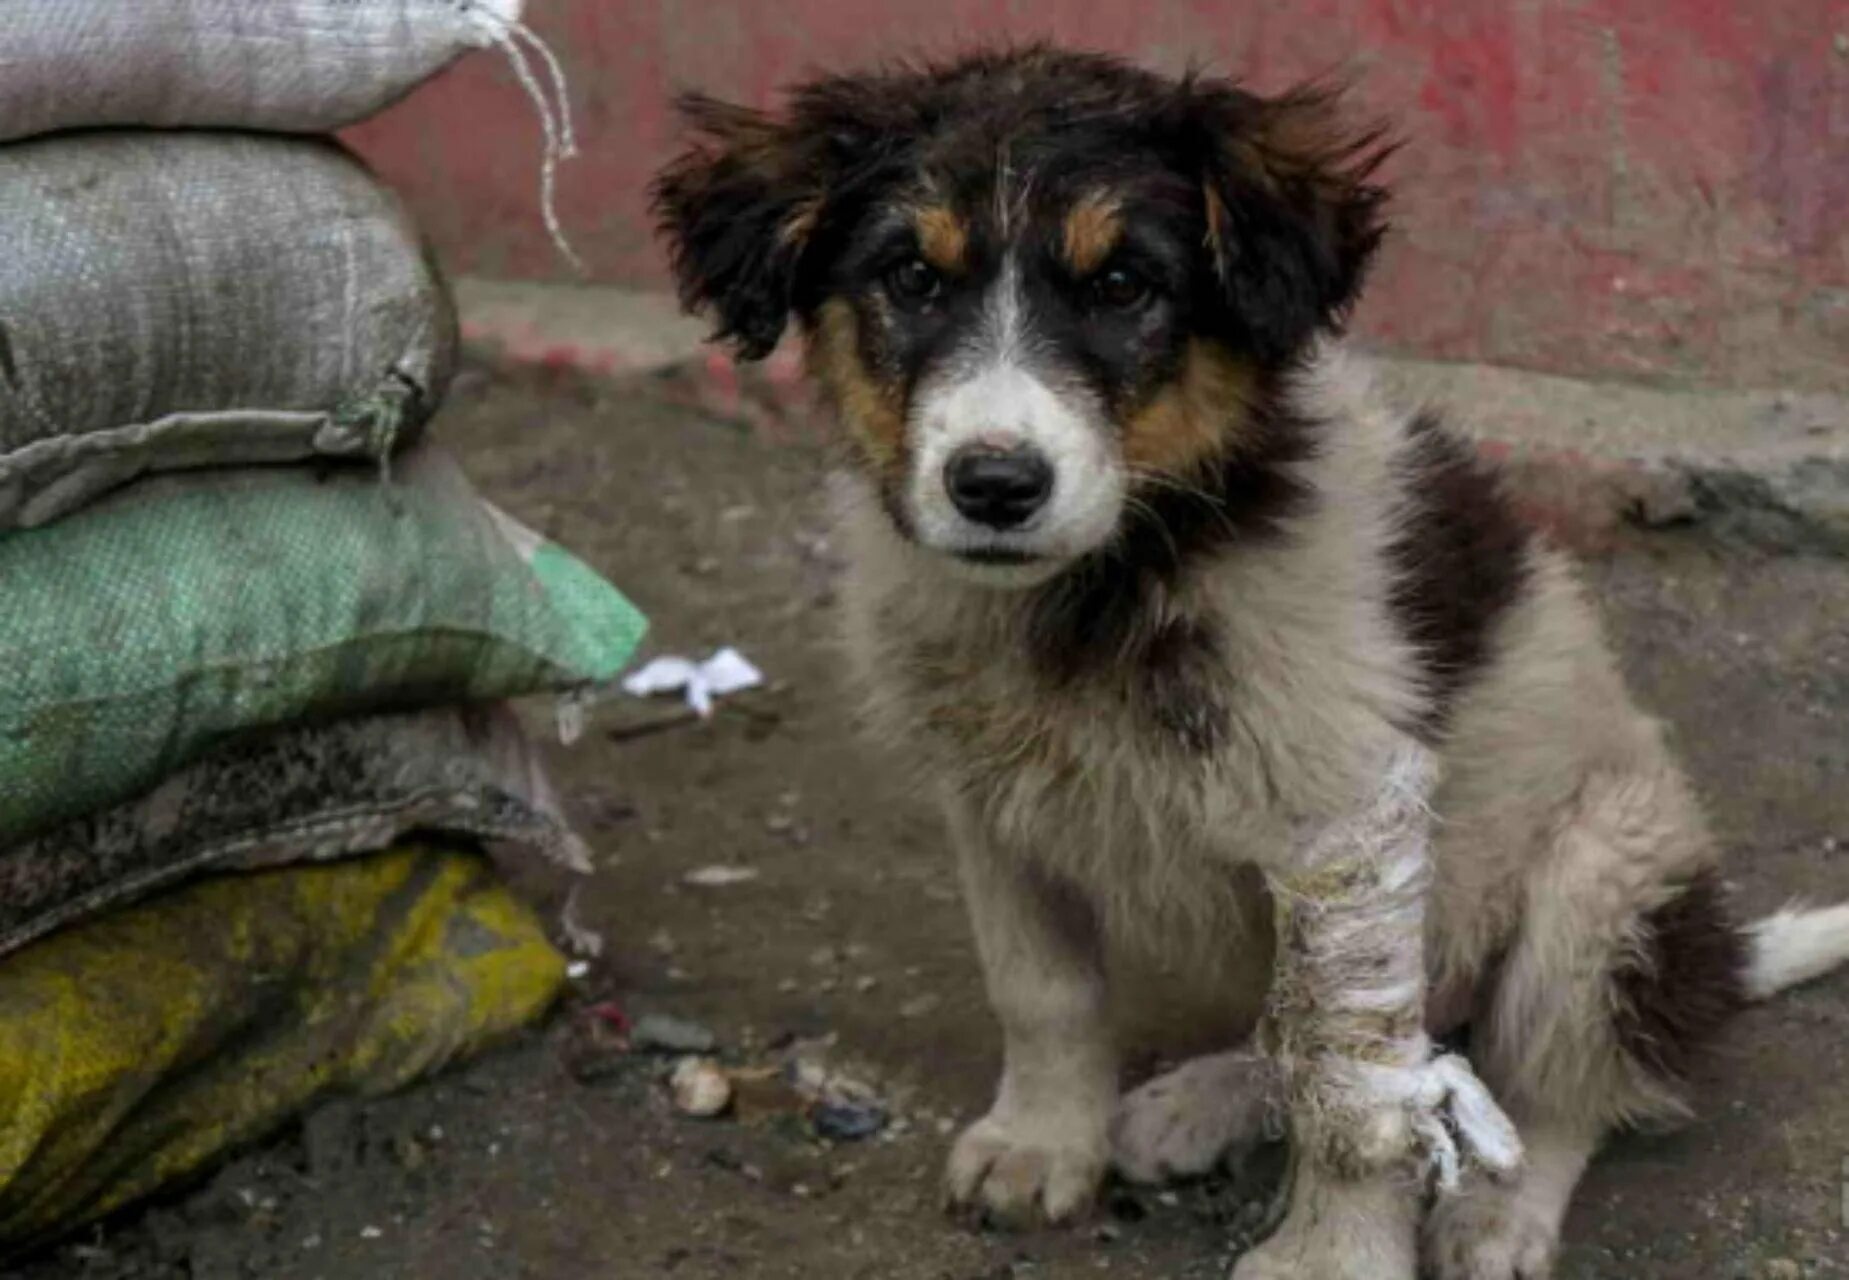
[[1250, 584]]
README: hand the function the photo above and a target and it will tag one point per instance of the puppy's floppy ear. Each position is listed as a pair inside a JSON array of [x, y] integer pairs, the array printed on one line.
[[738, 208], [1293, 214]]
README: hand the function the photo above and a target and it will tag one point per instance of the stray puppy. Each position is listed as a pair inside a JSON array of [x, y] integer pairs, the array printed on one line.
[[1218, 663]]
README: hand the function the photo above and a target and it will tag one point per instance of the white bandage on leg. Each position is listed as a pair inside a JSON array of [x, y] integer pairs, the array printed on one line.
[[1346, 1017]]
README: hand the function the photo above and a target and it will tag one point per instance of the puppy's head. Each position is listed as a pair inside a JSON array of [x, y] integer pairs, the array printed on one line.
[[1043, 289]]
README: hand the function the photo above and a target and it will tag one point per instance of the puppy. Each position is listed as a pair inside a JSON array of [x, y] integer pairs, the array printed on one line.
[[1221, 667]]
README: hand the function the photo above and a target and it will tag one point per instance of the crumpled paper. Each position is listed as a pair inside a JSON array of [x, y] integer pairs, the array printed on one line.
[[727, 671]]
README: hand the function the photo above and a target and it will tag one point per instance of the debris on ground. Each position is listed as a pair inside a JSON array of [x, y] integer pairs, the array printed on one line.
[[792, 1080], [719, 876], [835, 1106], [660, 1033], [727, 671], [701, 1088]]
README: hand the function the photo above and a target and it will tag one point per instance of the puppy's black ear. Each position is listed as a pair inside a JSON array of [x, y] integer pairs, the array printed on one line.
[[1293, 214], [738, 208]]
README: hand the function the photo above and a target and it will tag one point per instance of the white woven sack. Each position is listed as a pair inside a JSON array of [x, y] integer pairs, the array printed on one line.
[[278, 65]]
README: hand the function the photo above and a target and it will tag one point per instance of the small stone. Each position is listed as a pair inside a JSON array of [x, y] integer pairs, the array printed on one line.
[[808, 1075], [1783, 1269], [370, 1233], [847, 1121], [866, 984], [719, 876], [920, 1006], [660, 1033], [700, 1088]]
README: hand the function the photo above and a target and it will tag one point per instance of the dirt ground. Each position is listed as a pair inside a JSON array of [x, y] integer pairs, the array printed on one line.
[[527, 1164]]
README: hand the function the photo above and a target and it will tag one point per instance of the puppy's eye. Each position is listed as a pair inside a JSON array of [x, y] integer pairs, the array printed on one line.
[[1119, 289], [914, 282]]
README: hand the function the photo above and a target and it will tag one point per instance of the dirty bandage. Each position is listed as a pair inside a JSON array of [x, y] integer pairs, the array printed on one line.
[[1346, 1020]]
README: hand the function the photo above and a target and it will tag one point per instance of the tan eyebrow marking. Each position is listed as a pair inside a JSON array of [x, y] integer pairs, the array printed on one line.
[[943, 237], [1093, 227]]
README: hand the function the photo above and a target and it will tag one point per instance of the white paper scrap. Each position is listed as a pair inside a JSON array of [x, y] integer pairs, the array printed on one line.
[[727, 671]]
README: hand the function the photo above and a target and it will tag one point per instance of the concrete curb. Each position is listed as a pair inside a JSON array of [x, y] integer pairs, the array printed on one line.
[[1767, 470]]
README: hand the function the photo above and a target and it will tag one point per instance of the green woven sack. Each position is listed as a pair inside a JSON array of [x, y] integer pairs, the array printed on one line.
[[143, 632]]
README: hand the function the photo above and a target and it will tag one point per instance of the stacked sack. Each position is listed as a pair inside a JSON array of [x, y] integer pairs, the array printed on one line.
[[256, 634]]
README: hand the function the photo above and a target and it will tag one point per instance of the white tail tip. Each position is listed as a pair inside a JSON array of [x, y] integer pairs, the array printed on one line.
[[1794, 946]]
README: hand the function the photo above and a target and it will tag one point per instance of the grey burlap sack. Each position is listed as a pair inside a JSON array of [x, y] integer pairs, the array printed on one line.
[[308, 793], [305, 66], [172, 300]]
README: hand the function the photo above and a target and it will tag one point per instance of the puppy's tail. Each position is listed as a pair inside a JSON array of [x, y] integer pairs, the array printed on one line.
[[1793, 946]]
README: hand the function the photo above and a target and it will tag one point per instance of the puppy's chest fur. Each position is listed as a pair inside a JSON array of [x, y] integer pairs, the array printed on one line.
[[1200, 740]]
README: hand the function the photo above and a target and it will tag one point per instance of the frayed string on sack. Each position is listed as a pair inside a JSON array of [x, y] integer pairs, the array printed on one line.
[[373, 423], [559, 134]]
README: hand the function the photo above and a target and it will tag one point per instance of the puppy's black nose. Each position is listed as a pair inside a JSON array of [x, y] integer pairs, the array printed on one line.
[[998, 487]]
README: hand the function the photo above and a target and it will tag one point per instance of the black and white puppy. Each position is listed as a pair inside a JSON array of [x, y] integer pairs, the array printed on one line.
[[1158, 593]]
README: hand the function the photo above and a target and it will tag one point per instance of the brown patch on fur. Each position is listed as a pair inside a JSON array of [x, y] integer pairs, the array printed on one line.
[[943, 237], [869, 409], [800, 226], [1093, 226], [1216, 225], [1462, 561], [1683, 982], [1191, 420]]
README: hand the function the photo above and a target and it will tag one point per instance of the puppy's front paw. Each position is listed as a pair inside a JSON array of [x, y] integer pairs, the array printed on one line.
[[1021, 1171], [1489, 1233], [1182, 1124], [1339, 1231]]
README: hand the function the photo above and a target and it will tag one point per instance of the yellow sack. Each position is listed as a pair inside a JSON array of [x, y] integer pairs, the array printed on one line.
[[137, 1047]]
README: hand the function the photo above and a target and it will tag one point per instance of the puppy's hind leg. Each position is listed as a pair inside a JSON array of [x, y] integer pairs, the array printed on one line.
[[1042, 1150], [1626, 961]]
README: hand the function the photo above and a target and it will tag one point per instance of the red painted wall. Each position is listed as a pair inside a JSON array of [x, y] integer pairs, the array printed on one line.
[[1654, 188]]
